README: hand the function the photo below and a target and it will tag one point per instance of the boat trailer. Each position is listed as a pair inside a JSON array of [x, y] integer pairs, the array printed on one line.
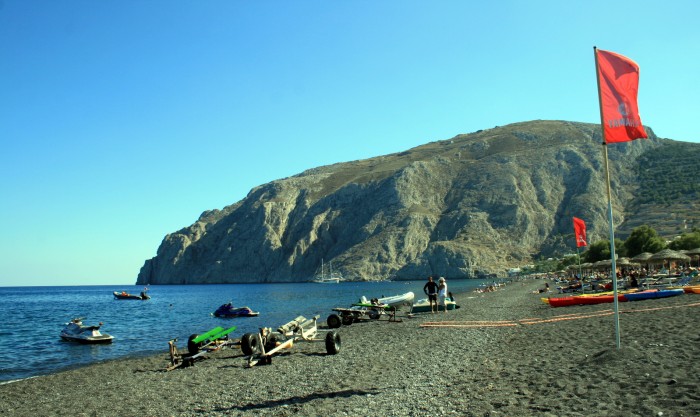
[[260, 347], [359, 312], [199, 345]]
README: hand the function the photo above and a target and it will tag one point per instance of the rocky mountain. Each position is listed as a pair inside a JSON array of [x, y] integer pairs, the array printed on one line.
[[475, 204]]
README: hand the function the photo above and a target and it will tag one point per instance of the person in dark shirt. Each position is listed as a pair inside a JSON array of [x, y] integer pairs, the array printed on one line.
[[431, 289]]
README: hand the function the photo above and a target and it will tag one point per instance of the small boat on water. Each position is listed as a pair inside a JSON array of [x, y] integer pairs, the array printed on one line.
[[76, 331], [328, 277], [228, 310], [126, 296], [423, 305]]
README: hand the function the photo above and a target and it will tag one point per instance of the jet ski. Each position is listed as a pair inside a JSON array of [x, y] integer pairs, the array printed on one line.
[[75, 331], [228, 310]]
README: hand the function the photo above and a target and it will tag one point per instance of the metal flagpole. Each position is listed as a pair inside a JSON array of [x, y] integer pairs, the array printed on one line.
[[580, 274], [610, 211]]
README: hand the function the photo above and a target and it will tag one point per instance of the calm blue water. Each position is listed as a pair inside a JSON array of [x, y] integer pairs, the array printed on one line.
[[32, 317]]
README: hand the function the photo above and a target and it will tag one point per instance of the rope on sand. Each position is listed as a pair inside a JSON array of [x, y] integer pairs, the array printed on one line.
[[529, 321]]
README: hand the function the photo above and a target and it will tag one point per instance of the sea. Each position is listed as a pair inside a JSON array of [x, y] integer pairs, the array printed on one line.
[[33, 317]]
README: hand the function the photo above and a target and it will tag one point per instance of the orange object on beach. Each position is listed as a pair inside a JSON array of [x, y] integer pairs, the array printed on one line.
[[693, 289]]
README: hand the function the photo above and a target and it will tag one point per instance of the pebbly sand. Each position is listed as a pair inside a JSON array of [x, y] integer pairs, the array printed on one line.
[[510, 356]]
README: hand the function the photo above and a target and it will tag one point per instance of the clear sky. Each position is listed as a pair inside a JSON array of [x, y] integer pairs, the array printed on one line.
[[122, 121]]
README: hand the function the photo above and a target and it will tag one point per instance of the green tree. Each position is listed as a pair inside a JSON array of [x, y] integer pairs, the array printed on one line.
[[643, 239], [600, 250], [567, 260], [686, 241]]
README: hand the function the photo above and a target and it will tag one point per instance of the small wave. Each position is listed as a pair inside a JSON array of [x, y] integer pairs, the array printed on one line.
[[17, 380]]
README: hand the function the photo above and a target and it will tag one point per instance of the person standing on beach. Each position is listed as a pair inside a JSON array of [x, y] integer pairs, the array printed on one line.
[[431, 289], [442, 294]]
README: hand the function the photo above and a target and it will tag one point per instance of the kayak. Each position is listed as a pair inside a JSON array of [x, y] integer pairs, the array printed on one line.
[[579, 300], [692, 289], [647, 295]]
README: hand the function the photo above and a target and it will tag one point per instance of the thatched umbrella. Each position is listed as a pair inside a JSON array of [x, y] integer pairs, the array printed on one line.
[[626, 263], [604, 264], [623, 261], [668, 255], [693, 253], [642, 257]]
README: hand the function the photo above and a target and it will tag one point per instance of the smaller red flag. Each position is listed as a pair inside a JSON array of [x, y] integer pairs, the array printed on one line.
[[618, 82], [580, 232]]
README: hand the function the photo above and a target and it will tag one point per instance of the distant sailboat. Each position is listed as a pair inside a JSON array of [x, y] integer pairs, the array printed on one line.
[[330, 278]]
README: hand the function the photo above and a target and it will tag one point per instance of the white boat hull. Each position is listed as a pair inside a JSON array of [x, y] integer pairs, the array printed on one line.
[[423, 306], [75, 331], [398, 300]]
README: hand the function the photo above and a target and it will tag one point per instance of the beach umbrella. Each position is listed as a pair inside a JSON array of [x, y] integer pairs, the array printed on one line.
[[693, 253], [642, 257], [670, 256], [604, 264], [626, 262]]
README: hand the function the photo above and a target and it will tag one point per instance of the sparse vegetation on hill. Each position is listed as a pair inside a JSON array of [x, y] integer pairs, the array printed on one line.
[[668, 190], [669, 173], [474, 205]]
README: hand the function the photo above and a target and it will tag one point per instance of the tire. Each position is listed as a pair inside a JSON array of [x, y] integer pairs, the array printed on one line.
[[333, 321], [332, 343], [192, 347], [249, 344], [373, 314], [347, 319]]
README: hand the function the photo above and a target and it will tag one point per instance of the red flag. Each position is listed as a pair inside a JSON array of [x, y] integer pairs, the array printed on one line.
[[580, 232], [618, 81]]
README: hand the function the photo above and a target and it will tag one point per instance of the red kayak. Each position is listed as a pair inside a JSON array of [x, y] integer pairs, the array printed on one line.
[[578, 300]]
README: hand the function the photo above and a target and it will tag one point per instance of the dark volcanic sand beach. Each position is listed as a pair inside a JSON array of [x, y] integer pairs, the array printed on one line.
[[513, 356]]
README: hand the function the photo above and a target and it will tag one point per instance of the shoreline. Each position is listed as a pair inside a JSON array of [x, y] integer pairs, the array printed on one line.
[[503, 353]]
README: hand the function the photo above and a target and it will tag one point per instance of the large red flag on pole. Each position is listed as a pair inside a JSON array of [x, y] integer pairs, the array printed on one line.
[[580, 232], [618, 81]]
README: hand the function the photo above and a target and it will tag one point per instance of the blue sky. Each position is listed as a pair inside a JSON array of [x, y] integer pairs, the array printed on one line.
[[122, 121]]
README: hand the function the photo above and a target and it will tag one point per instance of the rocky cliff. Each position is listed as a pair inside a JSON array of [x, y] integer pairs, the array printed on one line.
[[474, 204]]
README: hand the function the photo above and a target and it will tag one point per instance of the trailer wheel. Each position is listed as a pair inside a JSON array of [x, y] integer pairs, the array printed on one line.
[[249, 344], [333, 321], [373, 314], [192, 347], [332, 343], [347, 319], [273, 340]]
